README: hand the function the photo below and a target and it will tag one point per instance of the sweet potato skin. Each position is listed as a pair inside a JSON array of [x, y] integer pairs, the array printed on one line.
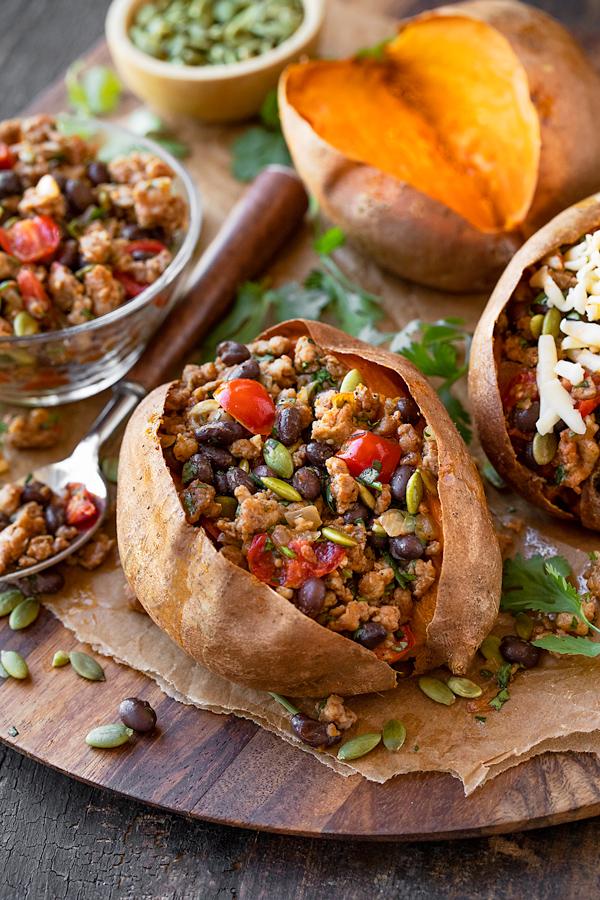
[[237, 626], [418, 237], [484, 390]]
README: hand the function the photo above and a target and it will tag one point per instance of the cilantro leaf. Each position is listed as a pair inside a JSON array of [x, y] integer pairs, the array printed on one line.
[[500, 699], [376, 52], [291, 301], [96, 93], [145, 122], [329, 241], [457, 413], [244, 322], [260, 145], [569, 645]]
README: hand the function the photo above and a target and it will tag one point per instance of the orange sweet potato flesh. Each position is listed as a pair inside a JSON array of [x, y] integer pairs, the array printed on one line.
[[237, 626]]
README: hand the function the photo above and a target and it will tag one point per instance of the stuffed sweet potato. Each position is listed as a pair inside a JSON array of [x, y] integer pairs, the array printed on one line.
[[302, 515], [534, 380]]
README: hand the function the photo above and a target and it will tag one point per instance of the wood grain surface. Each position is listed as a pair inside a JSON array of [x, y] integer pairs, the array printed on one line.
[[64, 839]]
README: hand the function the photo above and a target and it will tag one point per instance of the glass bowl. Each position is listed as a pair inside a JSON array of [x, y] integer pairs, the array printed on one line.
[[62, 366]]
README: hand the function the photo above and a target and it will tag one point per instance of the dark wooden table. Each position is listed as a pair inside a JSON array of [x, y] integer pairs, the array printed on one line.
[[62, 840]]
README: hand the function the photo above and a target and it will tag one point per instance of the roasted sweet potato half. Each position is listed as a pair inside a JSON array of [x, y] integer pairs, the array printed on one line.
[[534, 378], [443, 151], [304, 518]]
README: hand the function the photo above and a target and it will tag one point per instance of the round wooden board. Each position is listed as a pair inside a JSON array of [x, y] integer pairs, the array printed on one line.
[[229, 770]]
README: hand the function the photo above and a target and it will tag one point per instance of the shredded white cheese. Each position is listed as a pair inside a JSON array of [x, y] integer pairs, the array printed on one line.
[[573, 372], [586, 332], [555, 402]]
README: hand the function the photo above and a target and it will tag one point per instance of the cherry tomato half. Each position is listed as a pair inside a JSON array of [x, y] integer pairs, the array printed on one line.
[[364, 448], [249, 403], [586, 407], [35, 299], [321, 558], [145, 246], [7, 159], [31, 239], [403, 644], [81, 509], [521, 385], [132, 288]]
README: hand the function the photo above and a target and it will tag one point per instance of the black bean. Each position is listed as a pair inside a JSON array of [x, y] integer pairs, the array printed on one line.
[[231, 353], [263, 471], [526, 456], [317, 453], [289, 425], [398, 482], [36, 492], [310, 597], [408, 409], [370, 635], [307, 483], [10, 184], [539, 308], [60, 180], [79, 194], [357, 511], [312, 732], [98, 173], [377, 541], [236, 478], [221, 484], [526, 419], [407, 547], [222, 433], [306, 434], [560, 426], [142, 255], [55, 517], [50, 581], [198, 466], [171, 460], [516, 650], [218, 456], [137, 714], [68, 255], [134, 233], [248, 369]]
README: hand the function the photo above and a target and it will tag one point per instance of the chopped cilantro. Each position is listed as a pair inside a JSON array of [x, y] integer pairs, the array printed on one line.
[[560, 475], [289, 553], [500, 699], [480, 718], [416, 747]]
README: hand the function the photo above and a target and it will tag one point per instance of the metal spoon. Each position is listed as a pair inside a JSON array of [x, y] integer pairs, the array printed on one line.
[[256, 229]]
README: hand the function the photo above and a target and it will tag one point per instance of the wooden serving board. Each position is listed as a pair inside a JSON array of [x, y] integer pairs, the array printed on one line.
[[230, 770]]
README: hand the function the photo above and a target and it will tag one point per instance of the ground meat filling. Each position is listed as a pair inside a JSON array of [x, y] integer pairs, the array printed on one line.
[[548, 351], [79, 237], [321, 487]]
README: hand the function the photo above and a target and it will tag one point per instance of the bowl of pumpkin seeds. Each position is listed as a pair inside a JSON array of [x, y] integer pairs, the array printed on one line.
[[215, 60]]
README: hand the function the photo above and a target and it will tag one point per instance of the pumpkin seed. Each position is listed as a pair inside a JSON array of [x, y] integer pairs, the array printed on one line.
[[359, 746], [536, 324], [24, 614], [229, 506], [61, 659], [351, 381], [110, 468], [9, 600], [523, 626], [394, 734], [107, 736], [429, 480], [551, 323], [338, 537], [14, 664], [436, 690], [12, 731], [490, 648], [87, 667], [429, 433], [366, 495], [414, 493], [543, 447], [3, 672], [282, 489], [462, 687], [244, 465], [279, 458], [24, 324]]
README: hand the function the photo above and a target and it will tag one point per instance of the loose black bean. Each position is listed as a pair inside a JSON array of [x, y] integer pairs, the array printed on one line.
[[307, 483], [222, 433], [198, 466], [407, 547], [218, 456], [248, 369], [317, 453], [377, 541], [263, 471], [289, 425], [526, 419], [370, 635], [68, 255], [10, 184], [231, 353], [137, 714], [398, 482], [36, 492], [142, 255], [98, 173], [50, 581], [236, 478], [312, 732], [357, 511], [221, 484], [516, 650], [55, 517], [79, 194], [311, 596], [408, 409]]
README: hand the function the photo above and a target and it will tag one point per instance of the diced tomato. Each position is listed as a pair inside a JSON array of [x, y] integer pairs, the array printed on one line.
[[7, 159], [249, 403], [35, 299], [145, 246], [521, 385], [322, 557], [586, 407], [81, 509], [404, 645], [30, 240], [364, 448], [132, 288]]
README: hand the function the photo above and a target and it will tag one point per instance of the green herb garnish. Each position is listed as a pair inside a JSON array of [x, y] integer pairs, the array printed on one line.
[[261, 145], [96, 93]]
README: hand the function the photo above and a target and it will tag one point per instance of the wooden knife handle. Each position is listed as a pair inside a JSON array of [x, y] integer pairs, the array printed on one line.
[[257, 228]]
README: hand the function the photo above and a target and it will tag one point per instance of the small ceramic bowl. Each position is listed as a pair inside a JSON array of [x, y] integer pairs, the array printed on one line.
[[213, 93]]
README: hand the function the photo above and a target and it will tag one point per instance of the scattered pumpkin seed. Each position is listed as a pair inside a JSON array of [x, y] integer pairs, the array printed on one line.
[[61, 659], [106, 737], [429, 480], [359, 746], [338, 537], [463, 687], [110, 468], [12, 731], [282, 489], [351, 381], [14, 664], [436, 690], [228, 506], [490, 648], [365, 495], [543, 447], [9, 600], [536, 324], [414, 493], [3, 672], [24, 614], [394, 734], [551, 323], [279, 458], [87, 667], [523, 626], [24, 324]]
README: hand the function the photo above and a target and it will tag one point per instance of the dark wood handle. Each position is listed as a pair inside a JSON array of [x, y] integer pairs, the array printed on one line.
[[257, 228]]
